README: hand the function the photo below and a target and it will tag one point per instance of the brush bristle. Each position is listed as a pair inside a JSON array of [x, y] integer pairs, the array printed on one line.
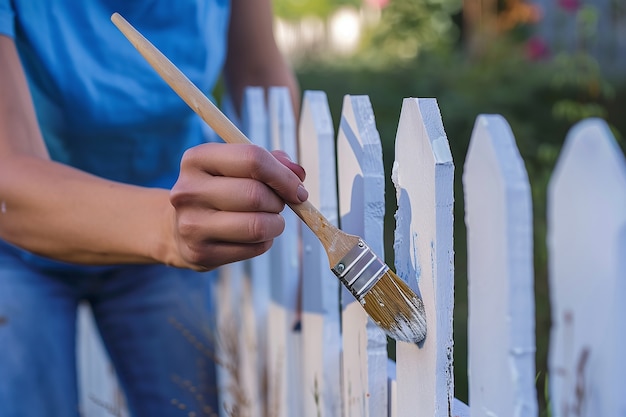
[[396, 309]]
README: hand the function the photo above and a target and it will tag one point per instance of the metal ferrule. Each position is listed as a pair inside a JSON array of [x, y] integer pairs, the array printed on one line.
[[360, 270]]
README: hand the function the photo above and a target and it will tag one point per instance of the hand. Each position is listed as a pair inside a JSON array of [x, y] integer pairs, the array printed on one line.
[[228, 200]]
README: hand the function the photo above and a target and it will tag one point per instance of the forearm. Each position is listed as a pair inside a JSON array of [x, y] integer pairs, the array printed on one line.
[[60, 212], [268, 72], [63, 213], [253, 57]]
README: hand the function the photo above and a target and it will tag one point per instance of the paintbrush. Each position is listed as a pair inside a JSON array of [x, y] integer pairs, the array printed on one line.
[[387, 299]]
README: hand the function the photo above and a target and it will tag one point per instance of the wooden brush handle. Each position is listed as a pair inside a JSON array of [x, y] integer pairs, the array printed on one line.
[[314, 219]]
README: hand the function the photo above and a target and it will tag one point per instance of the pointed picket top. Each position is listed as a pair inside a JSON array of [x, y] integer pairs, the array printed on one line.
[[423, 174], [362, 207], [501, 320], [282, 121], [321, 337], [586, 240], [283, 314], [254, 116]]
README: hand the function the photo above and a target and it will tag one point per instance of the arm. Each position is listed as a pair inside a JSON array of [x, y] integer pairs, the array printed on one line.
[[42, 200], [60, 212], [253, 57]]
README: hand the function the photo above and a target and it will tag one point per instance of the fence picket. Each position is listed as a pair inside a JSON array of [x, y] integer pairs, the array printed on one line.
[[501, 328], [100, 392], [321, 347], [239, 313], [255, 126], [423, 174], [586, 237], [283, 315], [362, 208], [304, 347], [227, 293]]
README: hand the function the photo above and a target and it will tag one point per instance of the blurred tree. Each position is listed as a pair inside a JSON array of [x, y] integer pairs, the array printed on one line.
[[486, 20], [296, 9], [479, 22], [408, 26], [516, 13]]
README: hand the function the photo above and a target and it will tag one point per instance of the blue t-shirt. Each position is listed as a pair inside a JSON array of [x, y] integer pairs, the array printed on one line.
[[100, 105]]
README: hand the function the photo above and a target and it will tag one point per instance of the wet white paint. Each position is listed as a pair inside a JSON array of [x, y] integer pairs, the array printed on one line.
[[423, 176]]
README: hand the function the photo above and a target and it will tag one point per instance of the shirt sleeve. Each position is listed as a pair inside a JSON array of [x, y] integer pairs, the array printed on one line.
[[7, 18]]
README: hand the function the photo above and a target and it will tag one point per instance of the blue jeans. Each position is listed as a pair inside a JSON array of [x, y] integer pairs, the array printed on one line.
[[154, 320]]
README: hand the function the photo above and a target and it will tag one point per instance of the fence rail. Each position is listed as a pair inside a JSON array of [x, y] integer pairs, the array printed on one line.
[[308, 349]]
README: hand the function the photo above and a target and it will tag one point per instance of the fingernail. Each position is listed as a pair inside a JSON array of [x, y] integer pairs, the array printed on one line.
[[302, 193]]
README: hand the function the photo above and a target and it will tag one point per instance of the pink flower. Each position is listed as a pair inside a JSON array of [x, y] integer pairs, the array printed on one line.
[[379, 4], [570, 6], [536, 49]]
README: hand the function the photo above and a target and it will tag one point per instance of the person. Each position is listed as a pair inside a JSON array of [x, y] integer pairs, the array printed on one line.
[[111, 193]]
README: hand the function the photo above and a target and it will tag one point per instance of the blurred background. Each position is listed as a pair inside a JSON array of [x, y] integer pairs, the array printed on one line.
[[542, 64]]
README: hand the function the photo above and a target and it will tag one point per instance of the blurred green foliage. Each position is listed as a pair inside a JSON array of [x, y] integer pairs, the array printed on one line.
[[407, 28], [295, 9]]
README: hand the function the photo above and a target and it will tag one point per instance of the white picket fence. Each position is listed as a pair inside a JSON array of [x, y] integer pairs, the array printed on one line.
[[308, 349]]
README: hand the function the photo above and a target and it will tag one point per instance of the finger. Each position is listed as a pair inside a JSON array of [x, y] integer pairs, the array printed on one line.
[[251, 161], [197, 227], [225, 194], [212, 255], [284, 159]]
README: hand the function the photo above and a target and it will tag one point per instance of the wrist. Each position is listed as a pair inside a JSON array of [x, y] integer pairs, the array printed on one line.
[[163, 246]]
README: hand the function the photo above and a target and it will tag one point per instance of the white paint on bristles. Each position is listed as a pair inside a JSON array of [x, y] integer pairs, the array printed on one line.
[[501, 330], [362, 207], [321, 335], [423, 176], [587, 248]]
